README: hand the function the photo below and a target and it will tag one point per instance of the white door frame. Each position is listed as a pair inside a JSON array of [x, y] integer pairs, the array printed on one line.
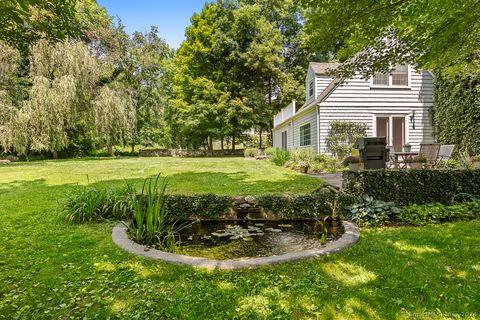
[[390, 117]]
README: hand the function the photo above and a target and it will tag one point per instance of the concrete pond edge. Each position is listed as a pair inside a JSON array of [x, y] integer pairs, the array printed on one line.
[[121, 239]]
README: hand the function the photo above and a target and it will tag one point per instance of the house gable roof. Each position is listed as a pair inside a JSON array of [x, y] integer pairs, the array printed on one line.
[[322, 68]]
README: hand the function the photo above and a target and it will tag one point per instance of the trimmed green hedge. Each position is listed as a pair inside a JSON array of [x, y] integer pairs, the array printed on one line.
[[204, 206], [302, 206], [404, 187]]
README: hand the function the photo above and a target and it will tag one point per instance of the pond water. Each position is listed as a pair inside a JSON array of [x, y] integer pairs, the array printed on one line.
[[240, 239]]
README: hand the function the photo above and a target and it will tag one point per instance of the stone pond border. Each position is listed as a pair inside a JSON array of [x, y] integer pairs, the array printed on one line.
[[120, 238]]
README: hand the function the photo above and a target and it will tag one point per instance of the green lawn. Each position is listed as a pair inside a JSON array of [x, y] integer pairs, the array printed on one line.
[[54, 270]]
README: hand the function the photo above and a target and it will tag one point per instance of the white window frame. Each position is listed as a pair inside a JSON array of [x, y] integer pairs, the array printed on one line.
[[390, 117], [300, 134], [390, 86], [311, 88]]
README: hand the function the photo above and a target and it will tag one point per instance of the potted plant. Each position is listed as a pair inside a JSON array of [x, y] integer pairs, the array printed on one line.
[[416, 162], [352, 162], [476, 162], [407, 147], [302, 166]]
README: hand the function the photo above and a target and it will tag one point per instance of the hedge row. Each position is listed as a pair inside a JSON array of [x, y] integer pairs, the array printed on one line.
[[203, 206], [404, 187]]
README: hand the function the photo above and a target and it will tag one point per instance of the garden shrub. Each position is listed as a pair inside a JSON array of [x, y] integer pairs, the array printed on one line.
[[305, 155], [250, 152], [279, 157], [405, 187], [342, 136], [371, 212], [420, 215]]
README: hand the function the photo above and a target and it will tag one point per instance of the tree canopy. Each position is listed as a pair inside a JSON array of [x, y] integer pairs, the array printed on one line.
[[372, 36]]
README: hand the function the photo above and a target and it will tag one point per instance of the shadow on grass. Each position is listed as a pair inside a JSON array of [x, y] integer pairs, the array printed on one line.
[[64, 270]]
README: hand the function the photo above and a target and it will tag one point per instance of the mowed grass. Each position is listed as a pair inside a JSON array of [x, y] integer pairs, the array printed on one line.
[[50, 269]]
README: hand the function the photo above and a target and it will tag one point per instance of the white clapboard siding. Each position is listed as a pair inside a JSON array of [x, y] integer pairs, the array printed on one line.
[[309, 116], [277, 135], [356, 100]]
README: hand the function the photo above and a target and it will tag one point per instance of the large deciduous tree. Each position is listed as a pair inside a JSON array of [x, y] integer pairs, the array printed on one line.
[[372, 36], [113, 112]]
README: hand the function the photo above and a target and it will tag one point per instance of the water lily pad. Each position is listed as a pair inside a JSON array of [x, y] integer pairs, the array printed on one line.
[[285, 225], [259, 224], [273, 230]]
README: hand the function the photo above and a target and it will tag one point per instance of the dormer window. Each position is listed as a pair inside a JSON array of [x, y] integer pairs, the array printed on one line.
[[400, 75], [311, 88], [397, 78]]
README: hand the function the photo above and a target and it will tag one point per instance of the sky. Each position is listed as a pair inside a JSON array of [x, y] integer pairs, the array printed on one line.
[[170, 16]]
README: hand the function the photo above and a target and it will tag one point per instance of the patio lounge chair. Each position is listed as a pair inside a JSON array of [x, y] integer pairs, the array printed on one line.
[[445, 153], [430, 152]]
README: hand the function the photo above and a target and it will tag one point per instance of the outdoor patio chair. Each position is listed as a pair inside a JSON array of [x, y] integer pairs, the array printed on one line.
[[445, 153], [391, 164], [430, 152]]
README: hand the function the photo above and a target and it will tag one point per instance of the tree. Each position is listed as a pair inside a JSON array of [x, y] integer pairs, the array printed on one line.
[[142, 69], [113, 113], [23, 22], [372, 36], [63, 77], [236, 50]]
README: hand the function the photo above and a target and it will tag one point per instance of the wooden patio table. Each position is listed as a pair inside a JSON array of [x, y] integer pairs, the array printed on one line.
[[403, 156]]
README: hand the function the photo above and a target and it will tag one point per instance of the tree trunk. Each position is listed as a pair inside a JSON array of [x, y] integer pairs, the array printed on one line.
[[133, 149], [233, 143], [261, 140], [110, 150], [210, 145], [221, 143], [55, 155]]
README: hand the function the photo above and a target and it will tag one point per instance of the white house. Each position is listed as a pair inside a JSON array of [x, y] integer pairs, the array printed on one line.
[[396, 105]]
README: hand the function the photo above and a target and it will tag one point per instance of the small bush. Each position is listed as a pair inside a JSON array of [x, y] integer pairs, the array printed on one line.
[[420, 215], [270, 151], [280, 157], [316, 167], [303, 155], [371, 212], [321, 158], [250, 152], [92, 203]]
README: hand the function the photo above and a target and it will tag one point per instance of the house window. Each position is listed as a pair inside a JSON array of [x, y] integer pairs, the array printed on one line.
[[398, 77], [305, 135], [311, 88], [284, 140], [381, 79]]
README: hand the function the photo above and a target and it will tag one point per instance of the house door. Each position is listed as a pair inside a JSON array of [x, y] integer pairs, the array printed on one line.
[[284, 140], [393, 128]]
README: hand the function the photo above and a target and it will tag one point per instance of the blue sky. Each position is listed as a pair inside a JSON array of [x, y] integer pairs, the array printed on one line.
[[170, 16]]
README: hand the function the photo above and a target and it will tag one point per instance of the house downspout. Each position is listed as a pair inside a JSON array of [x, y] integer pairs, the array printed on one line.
[[318, 129]]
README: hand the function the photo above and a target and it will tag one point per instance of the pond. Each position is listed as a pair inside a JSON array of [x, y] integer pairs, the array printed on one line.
[[259, 238]]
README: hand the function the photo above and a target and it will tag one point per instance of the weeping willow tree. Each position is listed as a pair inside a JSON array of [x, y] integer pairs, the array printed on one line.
[[64, 76], [113, 111]]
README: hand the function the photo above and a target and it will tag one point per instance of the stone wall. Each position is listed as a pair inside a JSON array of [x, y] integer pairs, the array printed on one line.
[[183, 153]]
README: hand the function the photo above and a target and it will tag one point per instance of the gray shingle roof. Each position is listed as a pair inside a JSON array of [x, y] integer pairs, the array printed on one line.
[[322, 68]]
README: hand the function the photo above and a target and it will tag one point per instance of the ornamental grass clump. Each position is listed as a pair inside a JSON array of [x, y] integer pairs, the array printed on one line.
[[151, 223], [94, 203]]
